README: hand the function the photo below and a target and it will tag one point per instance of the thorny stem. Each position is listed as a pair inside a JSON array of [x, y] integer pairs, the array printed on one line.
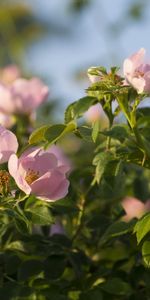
[[80, 218]]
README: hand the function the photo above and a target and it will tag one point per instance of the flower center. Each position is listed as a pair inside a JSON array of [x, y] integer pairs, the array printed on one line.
[[31, 176], [4, 181], [139, 73]]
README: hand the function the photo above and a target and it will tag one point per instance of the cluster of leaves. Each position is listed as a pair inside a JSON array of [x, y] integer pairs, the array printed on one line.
[[100, 256]]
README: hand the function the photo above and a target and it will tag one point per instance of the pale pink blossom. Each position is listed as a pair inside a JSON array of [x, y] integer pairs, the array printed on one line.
[[63, 160], [94, 113], [22, 96], [28, 94], [136, 72], [6, 101], [8, 144], [6, 120], [134, 208], [40, 173], [9, 74]]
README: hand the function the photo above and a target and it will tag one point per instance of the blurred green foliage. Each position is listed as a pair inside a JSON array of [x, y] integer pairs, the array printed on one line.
[[18, 27]]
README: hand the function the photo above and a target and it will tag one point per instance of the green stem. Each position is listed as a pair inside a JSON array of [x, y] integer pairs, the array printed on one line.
[[126, 113], [108, 143], [80, 219], [142, 145]]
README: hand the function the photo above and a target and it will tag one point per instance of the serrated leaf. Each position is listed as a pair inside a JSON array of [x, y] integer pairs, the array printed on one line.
[[29, 269], [119, 132], [118, 229], [97, 71], [116, 286], [54, 266], [85, 133], [146, 253], [38, 135], [16, 245], [55, 132], [101, 161], [91, 295], [78, 108], [142, 227], [40, 215], [95, 131]]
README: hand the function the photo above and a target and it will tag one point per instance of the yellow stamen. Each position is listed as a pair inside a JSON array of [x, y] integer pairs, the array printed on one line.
[[139, 73], [31, 176], [4, 181]]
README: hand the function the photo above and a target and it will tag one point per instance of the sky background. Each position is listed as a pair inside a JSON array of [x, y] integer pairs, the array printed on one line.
[[103, 33]]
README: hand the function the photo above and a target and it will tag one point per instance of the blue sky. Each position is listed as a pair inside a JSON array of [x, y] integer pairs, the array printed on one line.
[[87, 41]]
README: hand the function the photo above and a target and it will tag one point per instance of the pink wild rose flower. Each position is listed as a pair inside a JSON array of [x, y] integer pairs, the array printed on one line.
[[134, 208], [28, 94], [136, 72], [94, 113], [9, 74], [40, 173], [6, 101], [8, 144], [6, 120]]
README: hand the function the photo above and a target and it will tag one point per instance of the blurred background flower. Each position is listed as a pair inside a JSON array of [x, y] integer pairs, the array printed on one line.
[[58, 40]]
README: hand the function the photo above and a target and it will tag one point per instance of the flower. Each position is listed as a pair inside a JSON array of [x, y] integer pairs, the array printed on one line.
[[94, 113], [6, 120], [9, 74], [134, 208], [6, 101], [136, 72], [62, 158], [28, 94], [4, 182], [8, 144], [40, 173]]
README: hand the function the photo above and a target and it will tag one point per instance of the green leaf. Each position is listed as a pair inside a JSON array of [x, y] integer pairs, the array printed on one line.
[[38, 135], [29, 269], [40, 215], [114, 70], [12, 262], [22, 226], [9, 291], [95, 131], [54, 266], [116, 286], [118, 229], [142, 112], [142, 227], [97, 71], [26, 293], [101, 161], [146, 253], [85, 133], [91, 295], [55, 132], [119, 132], [78, 108], [74, 295], [16, 245], [69, 113]]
